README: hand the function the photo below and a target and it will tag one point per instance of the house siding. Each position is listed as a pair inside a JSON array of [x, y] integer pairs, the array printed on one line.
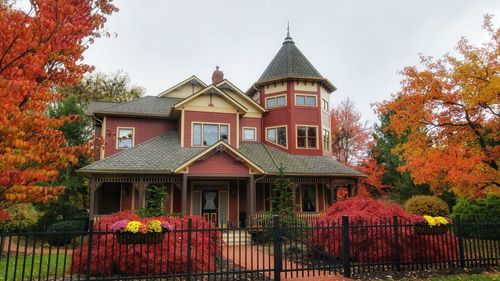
[[254, 123], [219, 164], [144, 129]]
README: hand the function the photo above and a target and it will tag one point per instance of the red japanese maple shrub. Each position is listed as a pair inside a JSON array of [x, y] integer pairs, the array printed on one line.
[[109, 257], [372, 235]]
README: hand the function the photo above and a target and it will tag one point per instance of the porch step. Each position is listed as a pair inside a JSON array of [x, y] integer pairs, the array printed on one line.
[[236, 237]]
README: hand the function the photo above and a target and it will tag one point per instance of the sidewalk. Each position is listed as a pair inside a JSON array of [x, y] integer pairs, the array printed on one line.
[[252, 259]]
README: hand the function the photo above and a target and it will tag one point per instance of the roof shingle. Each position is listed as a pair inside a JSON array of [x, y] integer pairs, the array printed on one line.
[[147, 105], [164, 154], [289, 62]]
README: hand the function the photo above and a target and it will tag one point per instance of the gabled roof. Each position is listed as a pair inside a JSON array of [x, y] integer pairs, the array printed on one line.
[[226, 82], [270, 159], [95, 106], [217, 146], [163, 154], [290, 63], [192, 79], [147, 106], [211, 89]]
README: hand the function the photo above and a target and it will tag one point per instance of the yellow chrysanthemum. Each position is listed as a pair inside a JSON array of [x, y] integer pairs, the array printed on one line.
[[441, 220], [430, 220], [154, 226], [133, 226]]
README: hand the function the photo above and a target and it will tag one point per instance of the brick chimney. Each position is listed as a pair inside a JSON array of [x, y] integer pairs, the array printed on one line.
[[217, 76]]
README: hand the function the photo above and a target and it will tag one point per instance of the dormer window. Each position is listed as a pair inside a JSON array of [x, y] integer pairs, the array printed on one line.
[[205, 134], [125, 138]]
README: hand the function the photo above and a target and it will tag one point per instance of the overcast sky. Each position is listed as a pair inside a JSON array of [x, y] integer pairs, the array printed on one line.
[[358, 45]]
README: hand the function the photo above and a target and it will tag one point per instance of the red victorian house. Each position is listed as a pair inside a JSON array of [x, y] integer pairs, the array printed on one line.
[[217, 149]]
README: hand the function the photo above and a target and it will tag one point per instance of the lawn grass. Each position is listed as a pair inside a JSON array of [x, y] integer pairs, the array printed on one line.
[[461, 277], [36, 261]]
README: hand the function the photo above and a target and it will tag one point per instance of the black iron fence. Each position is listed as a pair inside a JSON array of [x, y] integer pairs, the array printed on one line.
[[272, 252]]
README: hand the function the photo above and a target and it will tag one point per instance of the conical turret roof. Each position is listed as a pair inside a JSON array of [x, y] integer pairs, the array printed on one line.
[[290, 63]]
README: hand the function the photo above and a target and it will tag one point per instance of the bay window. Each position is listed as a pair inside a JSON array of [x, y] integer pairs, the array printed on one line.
[[276, 135], [306, 137], [305, 100], [276, 101], [326, 140]]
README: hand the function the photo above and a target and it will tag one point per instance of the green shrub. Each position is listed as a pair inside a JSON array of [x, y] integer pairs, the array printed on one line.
[[427, 205], [479, 216], [22, 217], [61, 233]]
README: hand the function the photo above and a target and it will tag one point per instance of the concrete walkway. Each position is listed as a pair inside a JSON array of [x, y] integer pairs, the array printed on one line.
[[252, 259]]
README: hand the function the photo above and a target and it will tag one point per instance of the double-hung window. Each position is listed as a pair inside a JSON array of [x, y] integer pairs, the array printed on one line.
[[125, 138], [325, 106], [307, 137], [305, 100], [276, 135], [208, 134], [277, 101], [326, 140]]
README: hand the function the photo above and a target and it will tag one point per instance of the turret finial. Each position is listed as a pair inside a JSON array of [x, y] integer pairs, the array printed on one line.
[[288, 38]]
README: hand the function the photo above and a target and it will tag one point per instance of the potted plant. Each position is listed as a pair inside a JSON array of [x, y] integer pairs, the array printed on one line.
[[428, 225], [136, 232]]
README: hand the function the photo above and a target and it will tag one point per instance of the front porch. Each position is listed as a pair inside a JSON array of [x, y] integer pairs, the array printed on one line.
[[231, 201]]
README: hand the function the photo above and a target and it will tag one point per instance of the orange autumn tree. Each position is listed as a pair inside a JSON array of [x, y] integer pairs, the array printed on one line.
[[350, 135], [449, 112], [40, 47]]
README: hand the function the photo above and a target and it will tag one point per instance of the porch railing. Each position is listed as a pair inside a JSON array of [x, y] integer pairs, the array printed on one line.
[[265, 218]]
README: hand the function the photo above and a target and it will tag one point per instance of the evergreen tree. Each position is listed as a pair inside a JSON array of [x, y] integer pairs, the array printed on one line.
[[400, 183], [76, 194], [282, 199]]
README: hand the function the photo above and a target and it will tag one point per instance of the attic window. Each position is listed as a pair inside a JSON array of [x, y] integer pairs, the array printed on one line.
[[125, 138]]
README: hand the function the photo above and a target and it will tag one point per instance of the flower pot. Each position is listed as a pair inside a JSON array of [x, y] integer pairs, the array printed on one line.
[[425, 229], [140, 238]]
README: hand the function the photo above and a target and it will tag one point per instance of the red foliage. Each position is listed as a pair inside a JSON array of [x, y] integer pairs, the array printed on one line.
[[109, 257], [372, 244]]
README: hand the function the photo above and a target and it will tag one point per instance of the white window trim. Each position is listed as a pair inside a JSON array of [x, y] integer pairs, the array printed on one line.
[[249, 128], [276, 104], [305, 100], [209, 123], [297, 136], [276, 143], [118, 135]]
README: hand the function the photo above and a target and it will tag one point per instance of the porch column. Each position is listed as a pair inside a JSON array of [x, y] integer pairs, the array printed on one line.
[[251, 196], [356, 187], [142, 190], [184, 191], [349, 190], [92, 197], [333, 192]]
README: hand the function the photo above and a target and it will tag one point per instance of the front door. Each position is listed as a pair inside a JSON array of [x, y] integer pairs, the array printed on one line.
[[209, 205]]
